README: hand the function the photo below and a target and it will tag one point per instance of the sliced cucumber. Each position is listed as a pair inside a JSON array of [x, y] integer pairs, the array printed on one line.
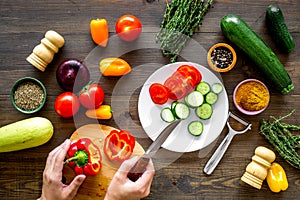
[[195, 128], [204, 111], [194, 99], [211, 98], [217, 88], [181, 111], [203, 87], [173, 104], [167, 115]]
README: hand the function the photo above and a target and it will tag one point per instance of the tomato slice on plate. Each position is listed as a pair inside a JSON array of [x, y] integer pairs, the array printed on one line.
[[190, 73], [158, 93], [187, 83], [176, 86]]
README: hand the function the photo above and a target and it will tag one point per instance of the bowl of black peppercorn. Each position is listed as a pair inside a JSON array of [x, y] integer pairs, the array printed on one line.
[[221, 57], [28, 95]]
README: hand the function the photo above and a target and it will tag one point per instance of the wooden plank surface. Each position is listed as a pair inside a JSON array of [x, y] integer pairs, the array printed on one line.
[[24, 23]]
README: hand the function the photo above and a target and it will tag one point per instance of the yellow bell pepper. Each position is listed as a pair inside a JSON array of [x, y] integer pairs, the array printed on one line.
[[276, 178], [99, 31], [114, 67], [103, 112]]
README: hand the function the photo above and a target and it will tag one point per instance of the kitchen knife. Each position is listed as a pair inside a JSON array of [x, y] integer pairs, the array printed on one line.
[[140, 166]]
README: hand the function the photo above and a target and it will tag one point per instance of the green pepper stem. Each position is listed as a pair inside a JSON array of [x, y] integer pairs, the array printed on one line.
[[80, 157]]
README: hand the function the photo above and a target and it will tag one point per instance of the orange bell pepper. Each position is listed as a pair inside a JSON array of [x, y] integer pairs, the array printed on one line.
[[276, 178], [114, 67], [99, 31], [103, 112]]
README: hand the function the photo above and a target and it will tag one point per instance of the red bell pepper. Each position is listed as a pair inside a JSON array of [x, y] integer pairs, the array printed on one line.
[[119, 145], [84, 157]]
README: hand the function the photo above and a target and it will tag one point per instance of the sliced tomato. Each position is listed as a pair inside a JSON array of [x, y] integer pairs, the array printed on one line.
[[176, 86], [191, 73], [187, 83], [158, 93]]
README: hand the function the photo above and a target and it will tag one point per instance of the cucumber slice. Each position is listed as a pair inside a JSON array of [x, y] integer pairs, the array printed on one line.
[[167, 115], [181, 111], [195, 128], [204, 111], [173, 104], [211, 98], [217, 88], [194, 99], [203, 87]]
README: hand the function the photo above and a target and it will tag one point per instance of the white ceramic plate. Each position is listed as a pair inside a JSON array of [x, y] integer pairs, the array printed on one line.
[[180, 139]]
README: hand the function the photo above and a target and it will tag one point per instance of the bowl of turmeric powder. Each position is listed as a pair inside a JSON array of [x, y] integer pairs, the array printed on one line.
[[251, 97]]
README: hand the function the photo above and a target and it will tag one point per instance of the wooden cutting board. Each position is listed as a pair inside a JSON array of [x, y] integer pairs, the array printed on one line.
[[95, 187]]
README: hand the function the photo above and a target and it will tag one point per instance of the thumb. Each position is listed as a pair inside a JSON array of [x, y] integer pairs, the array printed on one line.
[[75, 184], [127, 165]]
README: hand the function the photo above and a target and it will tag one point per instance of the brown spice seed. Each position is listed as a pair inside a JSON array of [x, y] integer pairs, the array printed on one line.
[[28, 96]]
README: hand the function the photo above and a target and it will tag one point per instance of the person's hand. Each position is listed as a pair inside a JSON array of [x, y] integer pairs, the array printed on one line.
[[123, 188], [53, 188]]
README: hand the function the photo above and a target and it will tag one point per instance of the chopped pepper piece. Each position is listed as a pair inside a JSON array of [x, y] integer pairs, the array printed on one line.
[[84, 157], [119, 145], [114, 67], [276, 178], [103, 112]]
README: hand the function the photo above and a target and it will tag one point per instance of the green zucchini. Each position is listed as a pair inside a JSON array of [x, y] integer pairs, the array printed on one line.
[[25, 134], [278, 29], [239, 33]]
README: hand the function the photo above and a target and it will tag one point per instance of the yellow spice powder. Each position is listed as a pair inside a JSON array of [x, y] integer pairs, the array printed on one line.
[[252, 96]]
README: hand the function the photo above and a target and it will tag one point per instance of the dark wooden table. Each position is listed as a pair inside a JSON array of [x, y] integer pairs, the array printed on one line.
[[24, 23]]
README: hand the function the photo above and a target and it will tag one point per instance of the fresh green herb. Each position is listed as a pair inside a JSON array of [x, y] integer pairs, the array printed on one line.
[[279, 134], [179, 23]]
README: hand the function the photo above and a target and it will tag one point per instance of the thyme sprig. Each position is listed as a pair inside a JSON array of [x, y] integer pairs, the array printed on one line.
[[180, 21], [280, 135]]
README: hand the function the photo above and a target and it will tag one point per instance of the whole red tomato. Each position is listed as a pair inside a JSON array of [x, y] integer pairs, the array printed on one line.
[[128, 27], [66, 104], [91, 96]]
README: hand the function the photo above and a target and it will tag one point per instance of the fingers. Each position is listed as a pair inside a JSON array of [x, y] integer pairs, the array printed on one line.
[[127, 165], [150, 166], [147, 176], [62, 152], [55, 159], [72, 189], [52, 155]]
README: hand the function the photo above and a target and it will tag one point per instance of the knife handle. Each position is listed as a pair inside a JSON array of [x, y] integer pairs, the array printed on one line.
[[139, 168]]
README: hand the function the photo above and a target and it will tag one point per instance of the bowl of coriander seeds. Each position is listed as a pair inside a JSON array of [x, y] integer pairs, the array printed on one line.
[[28, 95]]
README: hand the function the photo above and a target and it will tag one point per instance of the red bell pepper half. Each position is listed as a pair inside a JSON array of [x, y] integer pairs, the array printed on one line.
[[84, 157], [119, 145]]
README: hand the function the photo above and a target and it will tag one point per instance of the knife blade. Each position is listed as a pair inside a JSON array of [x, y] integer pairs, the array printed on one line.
[[140, 166]]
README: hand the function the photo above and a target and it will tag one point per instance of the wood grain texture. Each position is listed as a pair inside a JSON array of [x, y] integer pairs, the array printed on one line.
[[24, 23]]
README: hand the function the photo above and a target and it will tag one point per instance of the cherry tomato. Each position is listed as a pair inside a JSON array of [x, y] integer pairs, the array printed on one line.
[[91, 96], [128, 27], [177, 88], [158, 93], [66, 104], [191, 73]]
